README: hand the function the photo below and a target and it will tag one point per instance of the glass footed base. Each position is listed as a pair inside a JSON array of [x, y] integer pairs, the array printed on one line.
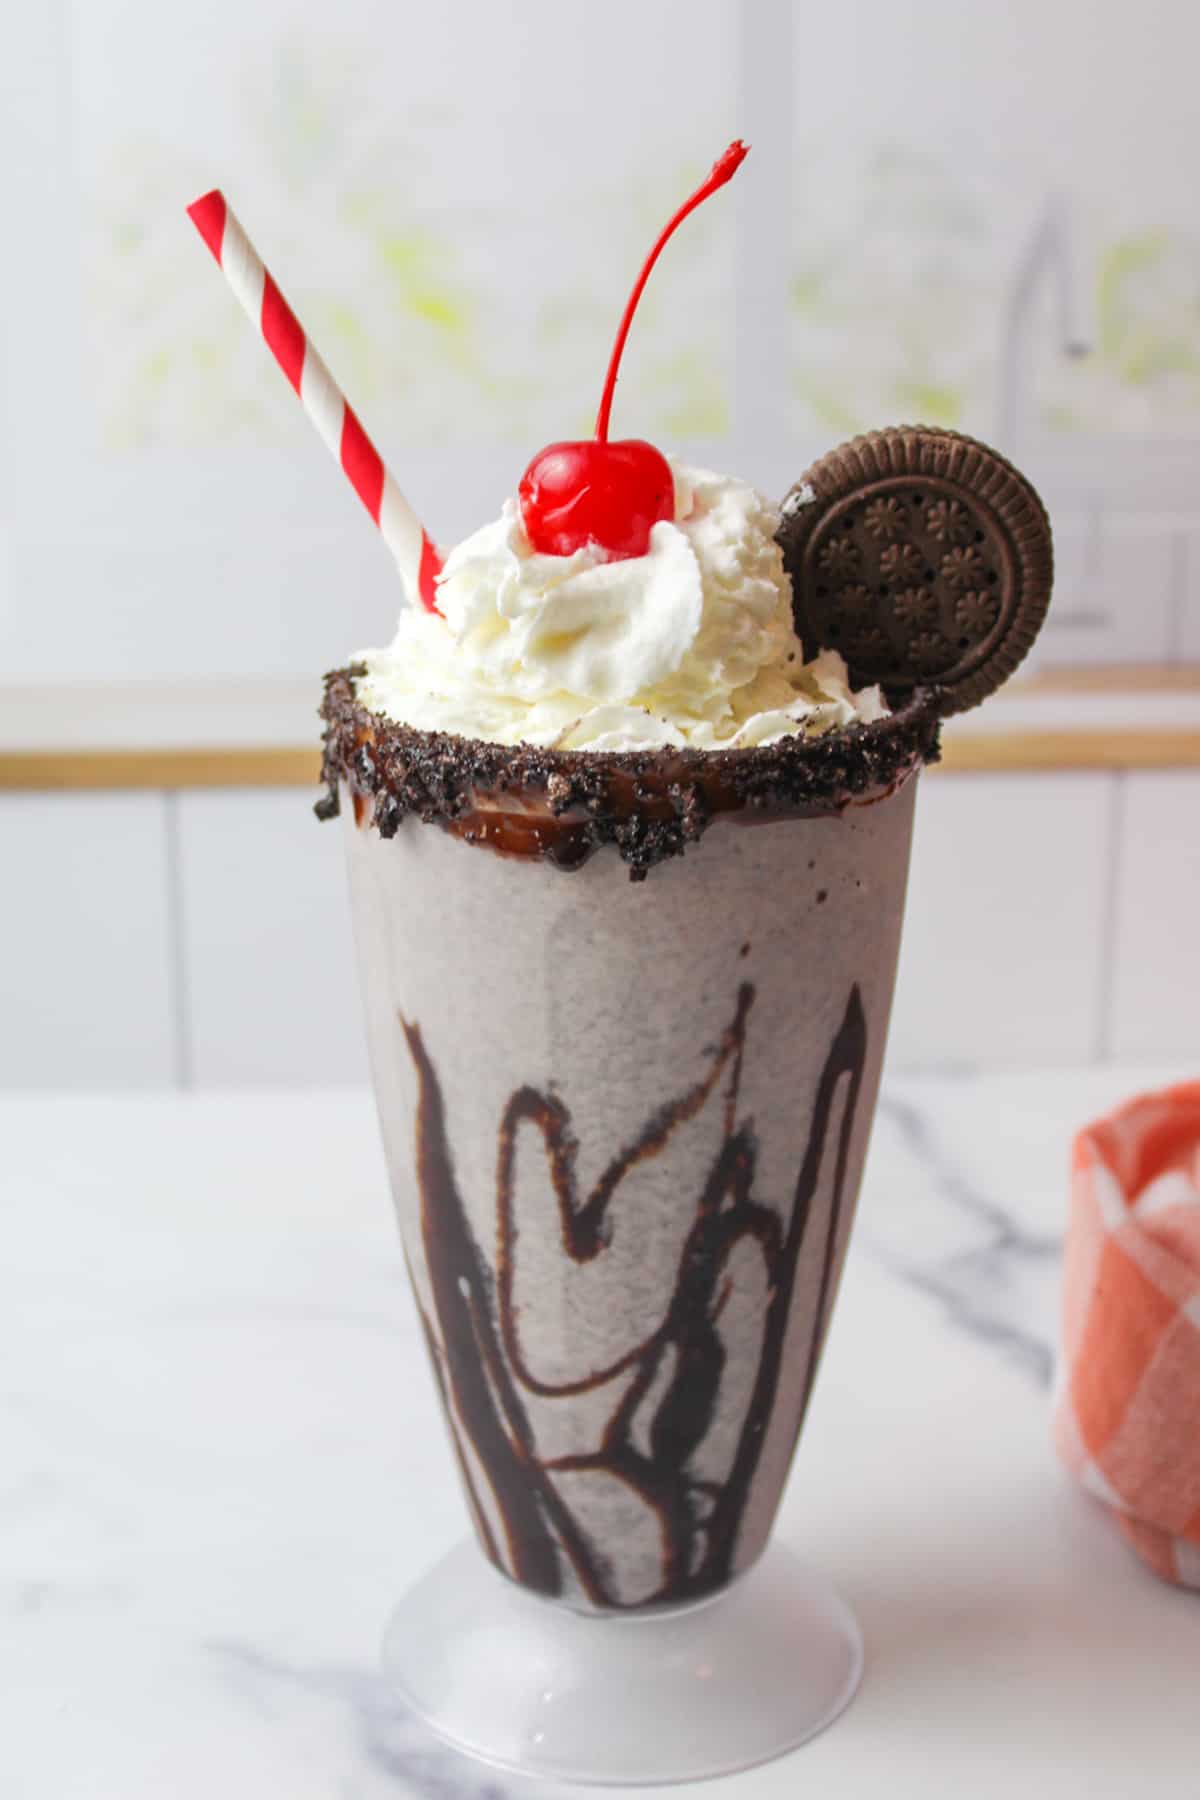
[[529, 1686]]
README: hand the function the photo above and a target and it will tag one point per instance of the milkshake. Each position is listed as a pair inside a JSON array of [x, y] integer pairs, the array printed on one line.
[[625, 1124], [628, 874], [628, 802], [627, 864]]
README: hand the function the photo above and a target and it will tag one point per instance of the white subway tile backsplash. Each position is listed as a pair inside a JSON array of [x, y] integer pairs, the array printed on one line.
[[270, 992], [1122, 609], [1156, 990], [1003, 936], [1075, 621], [1119, 581], [85, 995]]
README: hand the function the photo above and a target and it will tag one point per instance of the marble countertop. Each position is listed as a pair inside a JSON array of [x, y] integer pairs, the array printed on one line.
[[221, 1464]]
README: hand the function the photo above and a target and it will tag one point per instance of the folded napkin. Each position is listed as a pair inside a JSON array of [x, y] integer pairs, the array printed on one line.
[[1128, 1415]]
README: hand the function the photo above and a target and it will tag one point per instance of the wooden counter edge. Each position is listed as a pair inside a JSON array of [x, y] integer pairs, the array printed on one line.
[[973, 752], [76, 770], [981, 753]]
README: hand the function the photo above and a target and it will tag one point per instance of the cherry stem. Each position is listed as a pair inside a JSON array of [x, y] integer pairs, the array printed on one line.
[[723, 170]]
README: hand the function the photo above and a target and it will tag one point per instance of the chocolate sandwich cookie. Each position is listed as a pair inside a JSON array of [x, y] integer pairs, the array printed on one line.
[[924, 557]]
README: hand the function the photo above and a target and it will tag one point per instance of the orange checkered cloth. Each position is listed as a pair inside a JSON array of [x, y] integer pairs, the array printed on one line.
[[1128, 1415]]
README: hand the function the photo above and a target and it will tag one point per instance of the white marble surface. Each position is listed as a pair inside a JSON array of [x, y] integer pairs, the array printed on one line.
[[220, 1465]]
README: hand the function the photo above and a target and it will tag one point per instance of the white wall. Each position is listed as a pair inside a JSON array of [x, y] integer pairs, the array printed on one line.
[[455, 198], [203, 939]]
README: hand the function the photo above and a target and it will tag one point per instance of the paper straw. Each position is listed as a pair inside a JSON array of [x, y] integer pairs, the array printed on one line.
[[320, 395]]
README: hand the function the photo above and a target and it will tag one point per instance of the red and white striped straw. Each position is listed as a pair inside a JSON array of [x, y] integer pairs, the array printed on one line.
[[320, 395]]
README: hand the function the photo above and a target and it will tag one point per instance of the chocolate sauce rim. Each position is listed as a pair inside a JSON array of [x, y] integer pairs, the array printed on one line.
[[650, 805], [911, 727]]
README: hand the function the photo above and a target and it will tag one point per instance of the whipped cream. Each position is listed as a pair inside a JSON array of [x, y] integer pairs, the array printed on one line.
[[691, 644]]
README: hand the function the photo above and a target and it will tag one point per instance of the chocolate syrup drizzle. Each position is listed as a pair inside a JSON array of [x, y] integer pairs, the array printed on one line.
[[482, 1367]]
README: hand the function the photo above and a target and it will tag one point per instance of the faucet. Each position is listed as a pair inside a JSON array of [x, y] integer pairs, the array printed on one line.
[[1050, 253]]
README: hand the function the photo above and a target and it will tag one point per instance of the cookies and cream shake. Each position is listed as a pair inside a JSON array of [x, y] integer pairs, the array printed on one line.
[[628, 803], [625, 1119], [629, 806]]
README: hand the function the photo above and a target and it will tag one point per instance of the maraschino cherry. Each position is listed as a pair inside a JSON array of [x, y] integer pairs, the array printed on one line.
[[596, 492]]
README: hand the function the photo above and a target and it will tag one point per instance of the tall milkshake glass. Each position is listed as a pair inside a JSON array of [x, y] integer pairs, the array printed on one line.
[[625, 1124]]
